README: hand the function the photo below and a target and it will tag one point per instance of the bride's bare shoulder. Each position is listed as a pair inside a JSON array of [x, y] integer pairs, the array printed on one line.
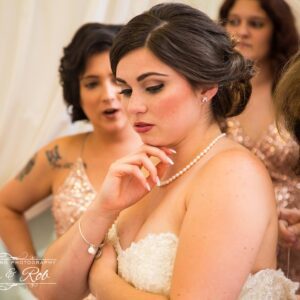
[[236, 161], [236, 175]]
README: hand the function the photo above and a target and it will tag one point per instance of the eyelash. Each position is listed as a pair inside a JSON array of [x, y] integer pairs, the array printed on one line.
[[151, 89], [126, 92], [155, 88], [253, 23], [256, 24], [91, 85], [233, 22]]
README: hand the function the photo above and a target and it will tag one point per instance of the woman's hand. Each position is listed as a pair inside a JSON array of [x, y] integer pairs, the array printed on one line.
[[102, 268], [125, 182], [289, 227]]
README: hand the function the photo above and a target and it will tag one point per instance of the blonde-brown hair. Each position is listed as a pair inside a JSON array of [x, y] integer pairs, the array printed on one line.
[[287, 99]]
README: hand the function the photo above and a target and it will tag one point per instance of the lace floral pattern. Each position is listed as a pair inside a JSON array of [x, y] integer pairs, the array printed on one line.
[[148, 265], [268, 284]]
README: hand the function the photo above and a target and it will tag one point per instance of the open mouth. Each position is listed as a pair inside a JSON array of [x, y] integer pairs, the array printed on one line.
[[110, 111]]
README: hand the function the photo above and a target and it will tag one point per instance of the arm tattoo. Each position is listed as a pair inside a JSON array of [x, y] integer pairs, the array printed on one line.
[[27, 169], [53, 157]]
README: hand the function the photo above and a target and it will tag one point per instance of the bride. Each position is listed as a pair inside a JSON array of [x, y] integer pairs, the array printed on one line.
[[203, 224]]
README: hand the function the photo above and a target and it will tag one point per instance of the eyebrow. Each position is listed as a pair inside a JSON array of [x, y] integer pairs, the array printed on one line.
[[252, 16], [143, 76], [88, 77]]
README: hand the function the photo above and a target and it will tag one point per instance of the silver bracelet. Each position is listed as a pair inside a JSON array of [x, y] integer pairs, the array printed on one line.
[[92, 249]]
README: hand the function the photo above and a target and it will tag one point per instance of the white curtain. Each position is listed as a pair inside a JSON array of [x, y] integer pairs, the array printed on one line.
[[33, 33]]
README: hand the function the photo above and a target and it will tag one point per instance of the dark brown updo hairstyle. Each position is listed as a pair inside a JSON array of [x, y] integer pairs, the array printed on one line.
[[90, 39], [287, 100], [285, 39], [187, 40]]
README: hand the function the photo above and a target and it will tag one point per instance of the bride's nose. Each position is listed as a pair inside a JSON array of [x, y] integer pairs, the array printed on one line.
[[135, 104]]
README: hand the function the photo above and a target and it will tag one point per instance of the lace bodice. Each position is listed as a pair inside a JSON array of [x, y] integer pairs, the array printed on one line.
[[148, 265], [141, 263]]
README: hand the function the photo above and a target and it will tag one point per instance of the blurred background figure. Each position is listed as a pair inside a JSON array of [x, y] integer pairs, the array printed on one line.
[[265, 32], [287, 100], [287, 104], [72, 168]]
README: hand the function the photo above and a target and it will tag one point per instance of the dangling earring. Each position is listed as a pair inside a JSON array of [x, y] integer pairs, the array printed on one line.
[[204, 99]]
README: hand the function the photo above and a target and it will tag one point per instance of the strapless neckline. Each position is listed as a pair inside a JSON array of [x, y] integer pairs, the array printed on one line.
[[155, 236], [149, 236], [148, 264]]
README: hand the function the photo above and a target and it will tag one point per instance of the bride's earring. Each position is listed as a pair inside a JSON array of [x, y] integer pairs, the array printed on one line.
[[204, 99]]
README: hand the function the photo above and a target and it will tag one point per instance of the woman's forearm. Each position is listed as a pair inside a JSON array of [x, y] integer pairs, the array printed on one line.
[[69, 272], [19, 244], [113, 287], [15, 234]]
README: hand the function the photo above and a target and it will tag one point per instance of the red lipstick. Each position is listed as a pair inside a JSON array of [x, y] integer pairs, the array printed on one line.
[[141, 127]]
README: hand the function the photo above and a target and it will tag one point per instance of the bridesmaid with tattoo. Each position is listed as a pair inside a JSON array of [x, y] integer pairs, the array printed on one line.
[[72, 168]]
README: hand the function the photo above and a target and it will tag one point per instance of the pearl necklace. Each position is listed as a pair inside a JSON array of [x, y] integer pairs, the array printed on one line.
[[193, 162]]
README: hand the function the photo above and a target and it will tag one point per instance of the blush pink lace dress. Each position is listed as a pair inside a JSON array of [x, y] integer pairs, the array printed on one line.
[[279, 152], [72, 199]]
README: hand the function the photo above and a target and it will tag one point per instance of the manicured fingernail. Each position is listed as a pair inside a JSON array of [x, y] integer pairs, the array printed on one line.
[[170, 161], [172, 150], [148, 187], [157, 181]]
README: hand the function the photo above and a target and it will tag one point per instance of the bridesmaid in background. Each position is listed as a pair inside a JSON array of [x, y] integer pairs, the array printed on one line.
[[287, 104], [259, 28], [72, 168]]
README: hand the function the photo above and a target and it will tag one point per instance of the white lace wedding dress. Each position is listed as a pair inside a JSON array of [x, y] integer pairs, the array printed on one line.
[[148, 266]]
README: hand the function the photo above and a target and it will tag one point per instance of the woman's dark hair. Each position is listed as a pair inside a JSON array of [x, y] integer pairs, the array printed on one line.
[[287, 99], [196, 47], [285, 40], [90, 39]]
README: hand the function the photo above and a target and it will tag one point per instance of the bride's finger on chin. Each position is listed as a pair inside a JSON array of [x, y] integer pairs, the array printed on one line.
[[144, 162], [135, 171], [168, 151], [157, 152]]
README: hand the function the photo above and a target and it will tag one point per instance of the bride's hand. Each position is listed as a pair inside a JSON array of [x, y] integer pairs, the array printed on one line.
[[125, 183]]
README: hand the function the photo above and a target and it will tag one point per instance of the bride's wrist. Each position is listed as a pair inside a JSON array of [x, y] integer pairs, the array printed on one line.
[[100, 213], [103, 210]]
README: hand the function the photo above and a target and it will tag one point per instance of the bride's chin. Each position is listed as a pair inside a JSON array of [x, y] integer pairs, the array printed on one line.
[[153, 144], [156, 142], [158, 145]]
